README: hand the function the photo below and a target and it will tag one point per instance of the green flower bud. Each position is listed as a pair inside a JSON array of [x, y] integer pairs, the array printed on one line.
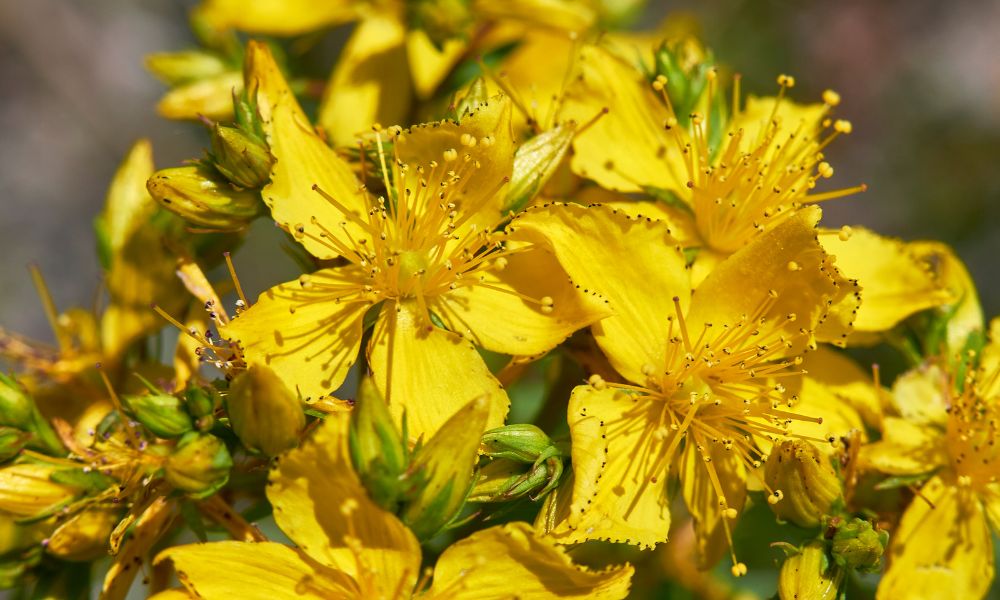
[[534, 164], [244, 159], [856, 543], [177, 68], [27, 490], [685, 64], [84, 537], [474, 95], [18, 410], [377, 449], [444, 470], [203, 198], [201, 404], [809, 574], [809, 486], [12, 441], [162, 414], [264, 413], [198, 465], [521, 442]]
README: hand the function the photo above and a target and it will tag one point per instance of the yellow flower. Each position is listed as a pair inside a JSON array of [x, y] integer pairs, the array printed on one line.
[[398, 51], [348, 547], [766, 164], [428, 255], [703, 374], [943, 544]]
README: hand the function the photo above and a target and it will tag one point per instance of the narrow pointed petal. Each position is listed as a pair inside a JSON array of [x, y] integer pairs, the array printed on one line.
[[944, 551], [428, 373], [303, 160], [320, 503], [631, 262], [493, 562], [302, 332]]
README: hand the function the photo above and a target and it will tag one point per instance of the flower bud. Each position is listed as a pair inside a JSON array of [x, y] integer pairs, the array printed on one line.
[[201, 404], [198, 465], [243, 158], [209, 97], [683, 66], [178, 68], [203, 198], [809, 574], [264, 413], [18, 410], [476, 94], [856, 544], [162, 414], [521, 442], [505, 480], [377, 448], [807, 481], [444, 470], [534, 163], [84, 537], [27, 490], [11, 442]]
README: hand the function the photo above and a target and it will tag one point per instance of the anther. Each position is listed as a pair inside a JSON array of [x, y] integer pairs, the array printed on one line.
[[831, 98]]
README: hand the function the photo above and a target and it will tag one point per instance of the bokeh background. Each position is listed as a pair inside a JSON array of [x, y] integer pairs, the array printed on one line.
[[920, 80]]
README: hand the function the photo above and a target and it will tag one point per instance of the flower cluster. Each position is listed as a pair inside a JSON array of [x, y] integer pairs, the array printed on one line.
[[587, 324]]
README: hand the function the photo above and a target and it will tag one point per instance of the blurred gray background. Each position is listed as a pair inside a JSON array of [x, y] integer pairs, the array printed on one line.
[[920, 80]]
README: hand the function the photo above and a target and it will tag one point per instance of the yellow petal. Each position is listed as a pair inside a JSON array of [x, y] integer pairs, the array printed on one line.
[[991, 502], [680, 220], [921, 396], [949, 270], [496, 318], [302, 332], [759, 114], [428, 65], [894, 282], [278, 17], [172, 594], [846, 380], [371, 82], [211, 97], [619, 492], [302, 161], [817, 399], [128, 205], [484, 162], [631, 262], [703, 500], [634, 120], [537, 72], [940, 552], [509, 560], [262, 571], [320, 503], [905, 449], [783, 272], [428, 373], [555, 14]]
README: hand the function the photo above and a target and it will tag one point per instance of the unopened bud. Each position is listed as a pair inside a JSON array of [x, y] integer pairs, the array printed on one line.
[[809, 574], [856, 543], [534, 164], [27, 490], [264, 413], [198, 465], [243, 158], [203, 198], [12, 441], [445, 466], [84, 537], [178, 68], [685, 67], [162, 414], [377, 448], [474, 95], [201, 404], [18, 410], [807, 480]]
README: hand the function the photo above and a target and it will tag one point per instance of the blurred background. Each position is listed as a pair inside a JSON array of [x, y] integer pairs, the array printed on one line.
[[920, 80]]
